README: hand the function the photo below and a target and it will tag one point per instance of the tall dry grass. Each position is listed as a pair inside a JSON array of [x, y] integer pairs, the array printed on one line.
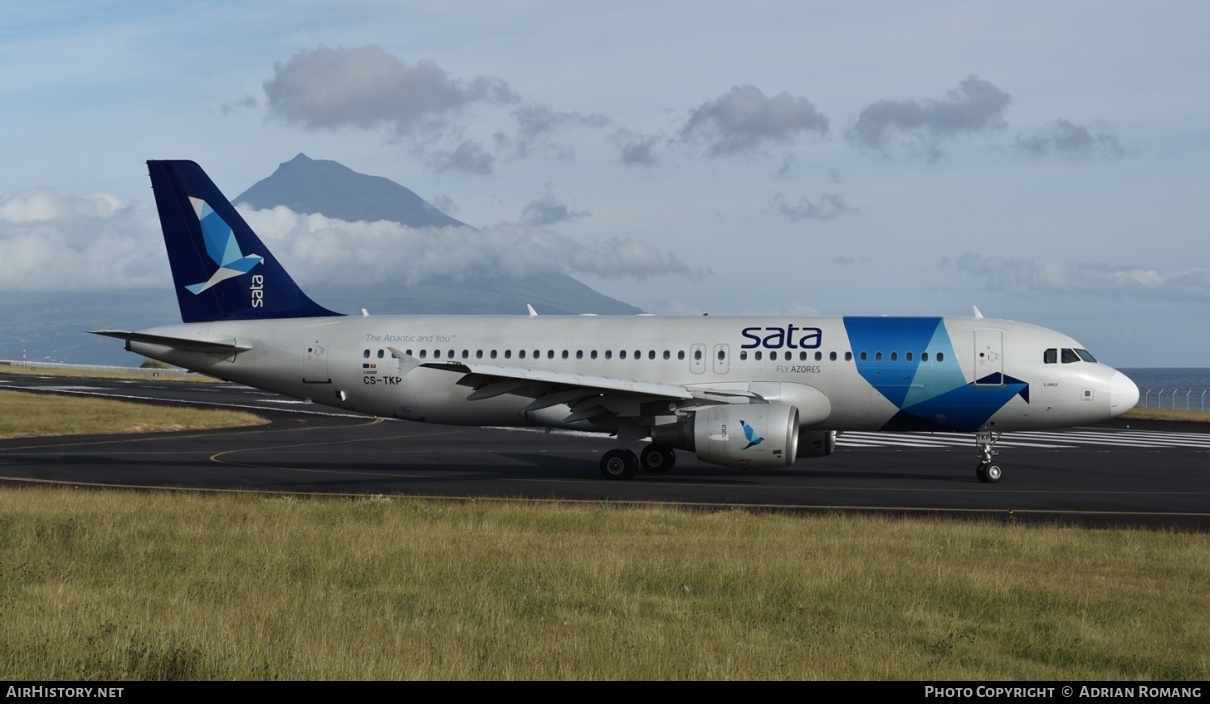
[[24, 414], [119, 585]]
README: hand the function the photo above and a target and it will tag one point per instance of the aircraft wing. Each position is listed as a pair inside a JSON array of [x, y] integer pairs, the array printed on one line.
[[588, 396]]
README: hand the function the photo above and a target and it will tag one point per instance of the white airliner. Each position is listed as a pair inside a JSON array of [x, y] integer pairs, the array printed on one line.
[[743, 392]]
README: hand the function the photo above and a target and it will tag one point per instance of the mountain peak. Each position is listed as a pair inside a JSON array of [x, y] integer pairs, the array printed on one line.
[[307, 185]]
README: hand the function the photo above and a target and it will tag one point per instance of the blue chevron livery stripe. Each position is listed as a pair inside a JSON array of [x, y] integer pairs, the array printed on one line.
[[931, 392]]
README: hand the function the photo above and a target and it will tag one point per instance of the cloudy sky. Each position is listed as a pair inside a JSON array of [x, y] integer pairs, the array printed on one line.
[[1046, 162]]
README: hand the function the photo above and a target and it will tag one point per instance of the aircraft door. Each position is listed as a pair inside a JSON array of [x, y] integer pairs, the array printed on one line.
[[722, 360], [989, 358], [697, 358], [315, 361]]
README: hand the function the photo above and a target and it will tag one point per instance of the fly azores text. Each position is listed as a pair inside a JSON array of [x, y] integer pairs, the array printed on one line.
[[790, 337]]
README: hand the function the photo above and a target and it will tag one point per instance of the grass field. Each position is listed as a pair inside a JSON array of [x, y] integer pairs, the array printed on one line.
[[120, 585], [25, 414]]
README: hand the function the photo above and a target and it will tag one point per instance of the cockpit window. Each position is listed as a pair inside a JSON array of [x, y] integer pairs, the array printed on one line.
[[1052, 355]]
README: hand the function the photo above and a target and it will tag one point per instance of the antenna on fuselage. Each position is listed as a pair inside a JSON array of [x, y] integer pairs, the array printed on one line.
[[977, 313]]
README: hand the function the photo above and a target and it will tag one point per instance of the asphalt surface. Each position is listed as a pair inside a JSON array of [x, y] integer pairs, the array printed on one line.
[[1118, 474]]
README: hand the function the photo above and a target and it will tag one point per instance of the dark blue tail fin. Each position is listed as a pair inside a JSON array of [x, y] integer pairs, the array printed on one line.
[[221, 269]]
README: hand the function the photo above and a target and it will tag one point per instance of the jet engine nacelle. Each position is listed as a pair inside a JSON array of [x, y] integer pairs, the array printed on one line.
[[760, 435], [816, 443]]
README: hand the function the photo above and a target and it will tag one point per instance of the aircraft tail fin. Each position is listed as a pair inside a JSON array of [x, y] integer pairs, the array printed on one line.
[[221, 270]]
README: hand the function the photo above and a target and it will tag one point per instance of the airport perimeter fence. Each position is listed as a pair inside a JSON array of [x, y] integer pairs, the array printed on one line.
[[1175, 399]]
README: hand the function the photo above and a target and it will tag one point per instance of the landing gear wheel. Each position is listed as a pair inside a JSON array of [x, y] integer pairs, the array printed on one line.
[[989, 472], [619, 464], [657, 458]]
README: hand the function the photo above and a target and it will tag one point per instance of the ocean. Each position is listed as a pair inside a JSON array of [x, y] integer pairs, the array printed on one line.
[[1172, 387]]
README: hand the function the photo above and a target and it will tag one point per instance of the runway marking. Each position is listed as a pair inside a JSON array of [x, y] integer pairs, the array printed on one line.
[[1056, 439], [217, 457]]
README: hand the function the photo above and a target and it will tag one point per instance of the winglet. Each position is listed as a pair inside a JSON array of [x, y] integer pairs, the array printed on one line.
[[977, 313], [406, 361], [532, 313]]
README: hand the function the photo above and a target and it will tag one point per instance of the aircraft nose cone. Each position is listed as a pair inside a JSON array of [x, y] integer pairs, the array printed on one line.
[[1123, 394]]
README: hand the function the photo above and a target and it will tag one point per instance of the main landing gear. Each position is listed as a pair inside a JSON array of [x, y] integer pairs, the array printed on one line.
[[621, 463], [987, 471]]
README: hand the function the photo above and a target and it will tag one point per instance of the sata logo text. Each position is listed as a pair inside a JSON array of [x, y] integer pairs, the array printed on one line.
[[774, 338], [258, 291]]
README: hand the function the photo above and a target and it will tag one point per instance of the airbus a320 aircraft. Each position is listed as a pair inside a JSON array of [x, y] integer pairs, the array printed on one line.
[[735, 391]]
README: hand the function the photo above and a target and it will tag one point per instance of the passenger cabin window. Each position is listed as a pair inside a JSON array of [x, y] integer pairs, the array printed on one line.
[[366, 354]]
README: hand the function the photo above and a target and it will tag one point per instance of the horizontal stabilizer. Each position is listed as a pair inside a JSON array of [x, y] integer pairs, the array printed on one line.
[[230, 346]]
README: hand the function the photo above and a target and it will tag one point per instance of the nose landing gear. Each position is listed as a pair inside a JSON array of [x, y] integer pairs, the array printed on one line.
[[987, 471]]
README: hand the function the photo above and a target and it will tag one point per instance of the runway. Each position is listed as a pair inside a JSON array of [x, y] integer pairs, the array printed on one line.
[[1117, 474]]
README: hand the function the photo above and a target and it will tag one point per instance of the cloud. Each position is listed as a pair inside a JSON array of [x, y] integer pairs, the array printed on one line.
[[828, 207], [974, 106], [537, 126], [1038, 276], [322, 250], [547, 210], [636, 149], [1069, 139], [50, 242], [367, 88], [233, 106], [744, 120], [468, 158], [537, 120]]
